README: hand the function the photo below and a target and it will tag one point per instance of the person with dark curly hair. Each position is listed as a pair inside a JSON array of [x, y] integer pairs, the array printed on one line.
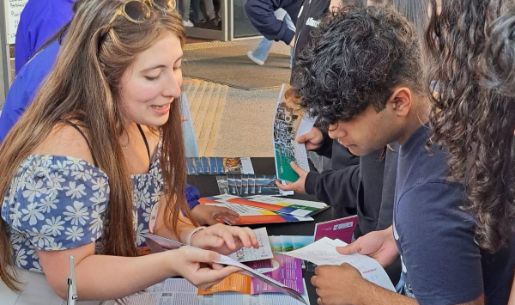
[[499, 72], [474, 114], [362, 77]]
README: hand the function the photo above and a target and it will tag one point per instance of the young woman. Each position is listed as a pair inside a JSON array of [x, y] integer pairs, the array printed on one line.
[[97, 161], [474, 113]]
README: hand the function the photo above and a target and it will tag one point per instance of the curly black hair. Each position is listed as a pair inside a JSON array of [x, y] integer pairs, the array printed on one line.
[[355, 59], [473, 114], [499, 55]]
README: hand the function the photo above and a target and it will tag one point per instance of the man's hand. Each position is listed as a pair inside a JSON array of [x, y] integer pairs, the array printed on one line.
[[338, 285], [377, 244], [297, 186], [344, 285], [312, 139], [206, 214]]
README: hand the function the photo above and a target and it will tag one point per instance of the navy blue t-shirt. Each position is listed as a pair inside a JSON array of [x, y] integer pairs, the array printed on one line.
[[441, 262]]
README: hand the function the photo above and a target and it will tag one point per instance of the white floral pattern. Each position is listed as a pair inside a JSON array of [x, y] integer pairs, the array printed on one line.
[[59, 202]]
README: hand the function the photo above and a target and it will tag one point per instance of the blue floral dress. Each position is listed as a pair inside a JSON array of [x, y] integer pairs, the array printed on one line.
[[59, 202]]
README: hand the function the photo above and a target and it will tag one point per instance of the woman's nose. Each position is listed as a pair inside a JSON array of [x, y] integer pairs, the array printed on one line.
[[173, 87]]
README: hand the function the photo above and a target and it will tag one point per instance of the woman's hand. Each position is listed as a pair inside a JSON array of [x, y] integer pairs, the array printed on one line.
[[199, 266], [224, 239], [207, 214]]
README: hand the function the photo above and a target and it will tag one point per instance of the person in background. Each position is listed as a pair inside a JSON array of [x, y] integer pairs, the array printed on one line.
[[311, 13], [97, 161], [474, 113], [261, 14], [186, 4], [40, 20], [205, 16], [382, 100], [26, 84], [260, 54]]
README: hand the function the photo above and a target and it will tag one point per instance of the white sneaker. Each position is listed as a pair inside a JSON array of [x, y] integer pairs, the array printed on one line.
[[187, 23], [256, 60]]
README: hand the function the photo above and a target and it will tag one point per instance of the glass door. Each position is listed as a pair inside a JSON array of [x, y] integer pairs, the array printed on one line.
[[209, 19]]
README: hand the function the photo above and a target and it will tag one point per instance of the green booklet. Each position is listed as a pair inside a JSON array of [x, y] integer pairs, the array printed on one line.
[[287, 124]]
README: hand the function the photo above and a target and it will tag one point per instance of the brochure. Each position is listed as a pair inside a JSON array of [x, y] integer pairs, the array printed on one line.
[[323, 252], [284, 269], [219, 165], [285, 243], [288, 116], [254, 212], [264, 251], [250, 185], [341, 228], [281, 205], [160, 243], [180, 291], [295, 207]]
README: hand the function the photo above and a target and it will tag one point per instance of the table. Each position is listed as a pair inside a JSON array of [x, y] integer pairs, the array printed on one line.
[[208, 187]]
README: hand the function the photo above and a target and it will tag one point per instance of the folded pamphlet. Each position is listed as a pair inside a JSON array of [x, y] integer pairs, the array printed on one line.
[[323, 252]]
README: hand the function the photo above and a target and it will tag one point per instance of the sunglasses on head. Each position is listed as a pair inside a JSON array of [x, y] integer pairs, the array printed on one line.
[[137, 11]]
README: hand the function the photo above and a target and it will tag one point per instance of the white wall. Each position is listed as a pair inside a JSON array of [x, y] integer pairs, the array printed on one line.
[[10, 11], [13, 10]]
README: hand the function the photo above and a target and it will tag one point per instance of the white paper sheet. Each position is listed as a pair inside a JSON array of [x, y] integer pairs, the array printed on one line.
[[323, 252]]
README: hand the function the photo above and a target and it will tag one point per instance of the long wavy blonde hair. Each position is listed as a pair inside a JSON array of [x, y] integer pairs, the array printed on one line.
[[84, 86]]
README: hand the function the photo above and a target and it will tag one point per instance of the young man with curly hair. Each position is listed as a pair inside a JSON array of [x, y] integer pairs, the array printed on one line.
[[362, 77]]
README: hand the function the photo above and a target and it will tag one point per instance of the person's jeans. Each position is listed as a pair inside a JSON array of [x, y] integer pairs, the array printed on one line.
[[264, 46], [262, 49]]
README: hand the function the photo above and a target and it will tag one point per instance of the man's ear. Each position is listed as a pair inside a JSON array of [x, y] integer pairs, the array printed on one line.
[[400, 101]]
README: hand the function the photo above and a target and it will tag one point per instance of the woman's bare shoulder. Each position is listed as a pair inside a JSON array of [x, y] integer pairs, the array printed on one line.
[[65, 140]]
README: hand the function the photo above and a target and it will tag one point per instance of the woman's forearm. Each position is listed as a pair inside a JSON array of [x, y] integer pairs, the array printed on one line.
[[104, 277]]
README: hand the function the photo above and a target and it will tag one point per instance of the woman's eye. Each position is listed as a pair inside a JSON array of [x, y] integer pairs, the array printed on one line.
[[151, 77], [176, 68]]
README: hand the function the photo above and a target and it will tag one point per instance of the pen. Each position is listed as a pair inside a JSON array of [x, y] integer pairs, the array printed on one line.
[[72, 288]]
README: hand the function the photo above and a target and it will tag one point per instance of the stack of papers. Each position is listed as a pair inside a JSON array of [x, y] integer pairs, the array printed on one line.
[[261, 209], [284, 269], [176, 291], [219, 165], [159, 243]]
